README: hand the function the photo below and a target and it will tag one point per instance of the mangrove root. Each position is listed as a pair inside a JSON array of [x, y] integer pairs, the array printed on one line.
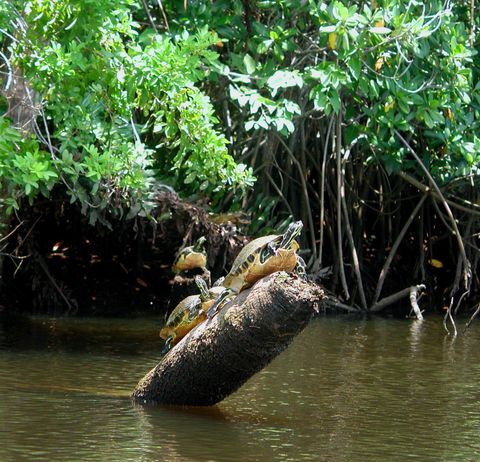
[[222, 353]]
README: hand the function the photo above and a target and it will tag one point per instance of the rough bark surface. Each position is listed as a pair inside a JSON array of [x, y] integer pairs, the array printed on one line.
[[221, 354]]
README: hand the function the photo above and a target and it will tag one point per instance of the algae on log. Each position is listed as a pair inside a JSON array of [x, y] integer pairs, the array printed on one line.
[[222, 353]]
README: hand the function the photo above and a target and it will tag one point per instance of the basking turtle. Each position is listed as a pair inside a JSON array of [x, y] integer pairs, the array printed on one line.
[[189, 313], [261, 257], [191, 257]]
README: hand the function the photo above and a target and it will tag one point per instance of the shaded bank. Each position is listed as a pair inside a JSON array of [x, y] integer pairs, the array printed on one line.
[[57, 263]]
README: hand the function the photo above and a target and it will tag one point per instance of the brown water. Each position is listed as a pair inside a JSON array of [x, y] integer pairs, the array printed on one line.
[[345, 390]]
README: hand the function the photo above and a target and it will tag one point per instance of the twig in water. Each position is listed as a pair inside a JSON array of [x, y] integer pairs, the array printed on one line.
[[384, 302], [449, 317], [414, 301], [474, 315]]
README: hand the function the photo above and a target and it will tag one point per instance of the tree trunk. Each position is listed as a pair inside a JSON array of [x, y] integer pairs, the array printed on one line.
[[221, 354]]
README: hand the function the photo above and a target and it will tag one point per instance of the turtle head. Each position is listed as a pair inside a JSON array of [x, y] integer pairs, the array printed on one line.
[[286, 242], [199, 245], [202, 286], [288, 239]]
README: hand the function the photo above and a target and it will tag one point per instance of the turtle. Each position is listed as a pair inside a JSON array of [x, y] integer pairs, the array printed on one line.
[[261, 257], [189, 313], [191, 257]]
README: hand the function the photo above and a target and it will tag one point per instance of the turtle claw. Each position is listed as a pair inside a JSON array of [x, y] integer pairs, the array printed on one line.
[[167, 347]]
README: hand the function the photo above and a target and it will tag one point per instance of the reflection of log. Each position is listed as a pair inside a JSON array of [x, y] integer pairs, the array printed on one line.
[[221, 354]]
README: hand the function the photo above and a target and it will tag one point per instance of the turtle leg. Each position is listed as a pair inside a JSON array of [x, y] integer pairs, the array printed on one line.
[[193, 311], [219, 302], [218, 282], [301, 268], [167, 347]]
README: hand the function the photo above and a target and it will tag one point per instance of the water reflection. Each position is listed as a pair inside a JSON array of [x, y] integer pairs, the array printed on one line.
[[346, 390]]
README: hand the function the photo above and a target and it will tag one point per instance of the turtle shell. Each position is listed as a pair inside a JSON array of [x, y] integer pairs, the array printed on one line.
[[186, 315], [189, 313], [188, 259], [247, 267], [191, 257]]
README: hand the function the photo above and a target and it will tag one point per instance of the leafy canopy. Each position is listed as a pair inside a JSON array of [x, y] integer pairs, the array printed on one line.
[[117, 108]]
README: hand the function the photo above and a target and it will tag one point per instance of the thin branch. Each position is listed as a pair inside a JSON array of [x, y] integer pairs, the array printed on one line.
[[332, 301], [322, 190], [393, 250], [44, 267], [449, 317], [304, 188], [3, 238], [467, 272], [472, 23], [338, 145], [475, 209], [414, 301], [10, 71], [150, 18], [160, 5], [474, 315], [384, 302], [279, 192]]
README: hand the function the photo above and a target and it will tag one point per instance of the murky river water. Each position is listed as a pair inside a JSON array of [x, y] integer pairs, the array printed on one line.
[[345, 390]]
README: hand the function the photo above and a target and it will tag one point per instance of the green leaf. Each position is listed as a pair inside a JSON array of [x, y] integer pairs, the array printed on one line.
[[380, 30], [250, 64], [335, 101], [327, 29], [355, 65], [284, 79]]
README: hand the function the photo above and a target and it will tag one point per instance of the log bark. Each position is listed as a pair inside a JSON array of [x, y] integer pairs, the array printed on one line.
[[222, 353]]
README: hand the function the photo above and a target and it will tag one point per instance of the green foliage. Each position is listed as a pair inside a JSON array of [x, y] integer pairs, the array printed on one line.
[[387, 65], [128, 106], [25, 169], [122, 107]]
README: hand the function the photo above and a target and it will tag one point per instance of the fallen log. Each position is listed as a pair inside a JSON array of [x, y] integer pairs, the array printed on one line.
[[222, 353]]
